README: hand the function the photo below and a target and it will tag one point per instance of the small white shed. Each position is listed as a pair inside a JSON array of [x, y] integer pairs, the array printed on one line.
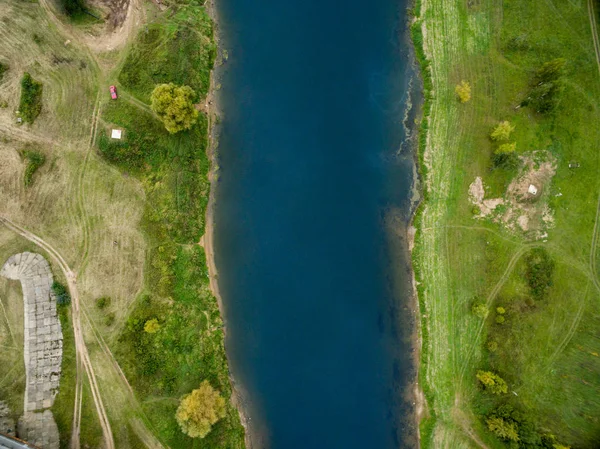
[[532, 189], [116, 134]]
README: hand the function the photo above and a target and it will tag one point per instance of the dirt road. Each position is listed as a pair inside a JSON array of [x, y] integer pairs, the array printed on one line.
[[80, 347]]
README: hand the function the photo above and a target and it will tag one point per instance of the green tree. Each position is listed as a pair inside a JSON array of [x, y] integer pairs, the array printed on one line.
[[479, 309], [547, 85], [151, 326], [500, 319], [502, 131], [492, 382], [500, 310], [505, 429], [199, 410], [174, 105], [463, 90]]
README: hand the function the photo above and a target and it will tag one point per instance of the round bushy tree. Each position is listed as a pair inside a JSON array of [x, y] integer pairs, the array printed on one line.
[[174, 105], [199, 410], [492, 382]]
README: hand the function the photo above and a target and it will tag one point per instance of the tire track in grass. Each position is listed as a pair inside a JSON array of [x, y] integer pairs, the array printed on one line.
[[596, 231], [139, 427], [571, 332], [490, 298], [80, 347]]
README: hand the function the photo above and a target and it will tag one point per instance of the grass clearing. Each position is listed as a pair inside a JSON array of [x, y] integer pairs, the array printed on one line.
[[546, 350]]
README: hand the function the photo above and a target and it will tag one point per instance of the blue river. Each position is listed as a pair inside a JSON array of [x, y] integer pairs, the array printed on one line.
[[314, 189]]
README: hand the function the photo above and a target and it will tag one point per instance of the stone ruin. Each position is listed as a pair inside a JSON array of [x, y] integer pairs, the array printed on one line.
[[42, 348]]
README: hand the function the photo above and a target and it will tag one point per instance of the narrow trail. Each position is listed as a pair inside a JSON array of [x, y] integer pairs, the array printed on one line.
[[84, 222], [490, 298], [80, 346], [140, 428]]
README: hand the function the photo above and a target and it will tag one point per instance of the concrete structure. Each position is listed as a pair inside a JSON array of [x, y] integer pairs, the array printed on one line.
[[116, 134], [42, 347], [7, 442]]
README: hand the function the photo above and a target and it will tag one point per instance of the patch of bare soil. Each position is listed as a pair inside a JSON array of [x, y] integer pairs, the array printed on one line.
[[116, 11], [525, 203], [123, 17]]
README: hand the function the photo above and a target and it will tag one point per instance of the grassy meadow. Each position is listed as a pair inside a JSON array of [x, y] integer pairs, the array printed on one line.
[[545, 346]]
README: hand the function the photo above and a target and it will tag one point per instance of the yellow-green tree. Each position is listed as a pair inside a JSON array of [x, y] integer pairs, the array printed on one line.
[[151, 326], [492, 382], [506, 148], [463, 90], [502, 428], [502, 131], [199, 410], [480, 309], [174, 105]]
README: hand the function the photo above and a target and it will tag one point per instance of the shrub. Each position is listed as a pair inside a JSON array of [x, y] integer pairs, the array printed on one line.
[[151, 326], [199, 410], [109, 320], [500, 319], [500, 310], [479, 309], [502, 131], [506, 148], [174, 105], [3, 69], [539, 272], [463, 90], [30, 104], [35, 160], [492, 346], [62, 294], [103, 302], [72, 7], [505, 429], [492, 382]]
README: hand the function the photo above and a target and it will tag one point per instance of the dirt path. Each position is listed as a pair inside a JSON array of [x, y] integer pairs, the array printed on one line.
[[80, 346]]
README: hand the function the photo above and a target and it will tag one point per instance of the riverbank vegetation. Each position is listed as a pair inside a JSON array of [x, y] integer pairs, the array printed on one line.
[[506, 249], [172, 341]]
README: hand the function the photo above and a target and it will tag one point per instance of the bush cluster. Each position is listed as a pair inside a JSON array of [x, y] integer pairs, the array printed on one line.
[[546, 86], [3, 69], [539, 272], [35, 160], [511, 425], [30, 104], [62, 294]]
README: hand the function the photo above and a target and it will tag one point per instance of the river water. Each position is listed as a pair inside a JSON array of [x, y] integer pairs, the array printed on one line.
[[313, 178]]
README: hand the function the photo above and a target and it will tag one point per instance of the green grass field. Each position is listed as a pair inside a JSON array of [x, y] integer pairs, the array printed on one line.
[[547, 348]]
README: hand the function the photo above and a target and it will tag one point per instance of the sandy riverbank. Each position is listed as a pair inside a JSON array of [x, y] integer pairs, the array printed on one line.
[[213, 111]]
